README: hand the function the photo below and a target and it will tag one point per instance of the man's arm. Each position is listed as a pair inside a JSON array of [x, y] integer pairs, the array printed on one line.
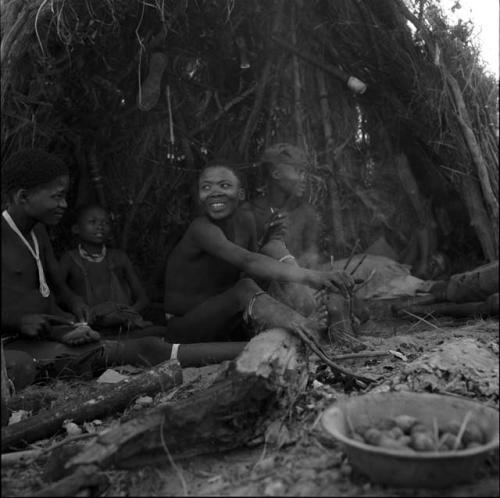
[[139, 294], [212, 240]]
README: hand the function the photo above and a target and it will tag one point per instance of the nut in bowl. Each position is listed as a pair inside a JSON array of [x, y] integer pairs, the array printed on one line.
[[414, 439]]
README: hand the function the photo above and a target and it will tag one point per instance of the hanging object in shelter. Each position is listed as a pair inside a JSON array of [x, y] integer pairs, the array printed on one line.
[[244, 62], [174, 154], [150, 89], [356, 85]]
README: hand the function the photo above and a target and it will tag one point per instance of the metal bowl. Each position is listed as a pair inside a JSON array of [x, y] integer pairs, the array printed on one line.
[[430, 469]]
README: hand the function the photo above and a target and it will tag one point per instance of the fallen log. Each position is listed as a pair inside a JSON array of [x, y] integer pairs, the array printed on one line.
[[483, 308], [46, 423], [228, 414]]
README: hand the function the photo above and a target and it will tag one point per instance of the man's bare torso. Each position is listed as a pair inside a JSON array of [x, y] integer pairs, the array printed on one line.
[[192, 275]]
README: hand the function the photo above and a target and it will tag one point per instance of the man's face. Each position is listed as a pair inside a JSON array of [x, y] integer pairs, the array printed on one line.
[[94, 226], [219, 192], [47, 203], [291, 178]]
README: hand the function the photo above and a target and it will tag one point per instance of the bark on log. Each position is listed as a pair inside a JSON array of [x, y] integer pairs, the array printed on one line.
[[228, 414], [45, 424]]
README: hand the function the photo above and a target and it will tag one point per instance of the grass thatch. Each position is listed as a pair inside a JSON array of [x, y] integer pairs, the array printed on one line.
[[71, 72]]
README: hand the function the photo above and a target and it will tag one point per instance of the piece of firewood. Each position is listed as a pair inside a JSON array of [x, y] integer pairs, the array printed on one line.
[[228, 414], [46, 423]]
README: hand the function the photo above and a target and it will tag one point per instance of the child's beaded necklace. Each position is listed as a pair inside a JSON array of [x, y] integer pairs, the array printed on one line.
[[93, 258]]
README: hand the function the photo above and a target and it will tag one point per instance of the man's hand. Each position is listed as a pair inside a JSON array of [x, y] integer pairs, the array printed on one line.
[[275, 226], [80, 309], [331, 280]]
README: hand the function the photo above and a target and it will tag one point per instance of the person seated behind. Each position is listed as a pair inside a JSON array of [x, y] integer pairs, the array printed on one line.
[[210, 286], [286, 215], [285, 168], [105, 277], [37, 337]]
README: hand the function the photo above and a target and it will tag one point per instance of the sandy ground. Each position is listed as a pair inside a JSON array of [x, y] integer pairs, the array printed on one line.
[[307, 461]]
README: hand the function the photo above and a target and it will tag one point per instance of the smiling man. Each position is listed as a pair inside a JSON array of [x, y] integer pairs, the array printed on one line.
[[210, 278]]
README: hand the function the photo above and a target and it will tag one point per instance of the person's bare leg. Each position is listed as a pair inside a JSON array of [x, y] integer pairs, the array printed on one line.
[[149, 351], [267, 312], [208, 322]]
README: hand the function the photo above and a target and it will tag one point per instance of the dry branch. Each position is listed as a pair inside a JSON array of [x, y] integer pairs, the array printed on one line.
[[336, 210], [46, 423], [475, 150]]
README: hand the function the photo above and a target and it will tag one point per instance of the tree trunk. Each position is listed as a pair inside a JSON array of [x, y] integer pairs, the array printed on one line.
[[479, 217], [464, 121], [411, 188], [339, 243]]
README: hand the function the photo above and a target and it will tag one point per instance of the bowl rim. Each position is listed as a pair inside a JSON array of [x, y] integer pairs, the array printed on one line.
[[417, 455]]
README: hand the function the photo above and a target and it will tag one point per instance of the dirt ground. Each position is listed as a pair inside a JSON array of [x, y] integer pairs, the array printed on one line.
[[298, 458]]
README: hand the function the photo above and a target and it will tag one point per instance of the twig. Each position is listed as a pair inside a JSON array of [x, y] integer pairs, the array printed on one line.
[[171, 460], [366, 354], [421, 319], [349, 424], [360, 286], [351, 255], [316, 348], [465, 421], [435, 433], [360, 262]]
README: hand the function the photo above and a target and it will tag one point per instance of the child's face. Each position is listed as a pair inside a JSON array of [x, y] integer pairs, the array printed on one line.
[[291, 178], [219, 192], [93, 226], [47, 203]]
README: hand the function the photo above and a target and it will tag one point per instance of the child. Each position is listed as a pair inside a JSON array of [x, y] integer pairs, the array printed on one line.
[[285, 168], [209, 277], [105, 277], [36, 185]]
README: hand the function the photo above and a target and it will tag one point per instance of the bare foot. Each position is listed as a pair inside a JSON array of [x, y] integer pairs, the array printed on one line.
[[321, 296], [320, 316], [81, 334]]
